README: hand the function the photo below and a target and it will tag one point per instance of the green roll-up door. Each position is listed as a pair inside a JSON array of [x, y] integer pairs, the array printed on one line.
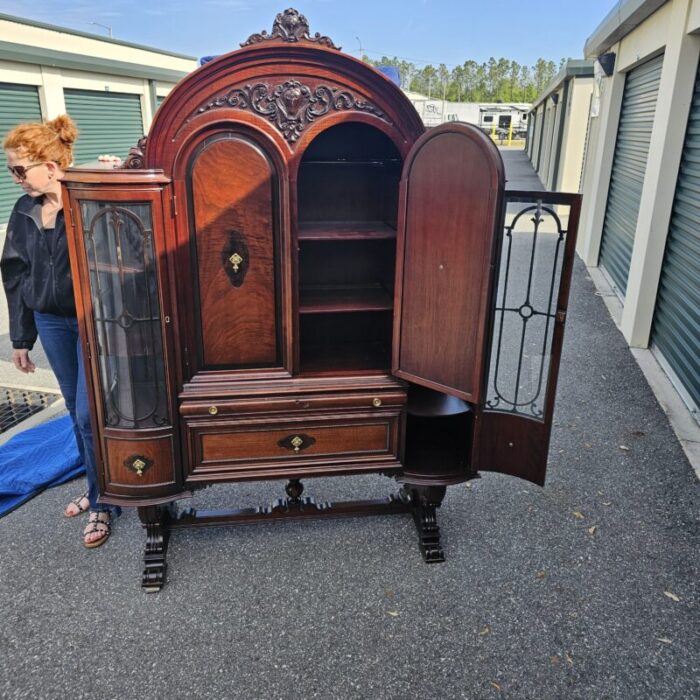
[[530, 134], [676, 328], [109, 122], [18, 104], [628, 169]]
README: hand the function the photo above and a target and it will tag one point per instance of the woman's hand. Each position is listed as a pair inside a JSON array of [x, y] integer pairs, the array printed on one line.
[[21, 360]]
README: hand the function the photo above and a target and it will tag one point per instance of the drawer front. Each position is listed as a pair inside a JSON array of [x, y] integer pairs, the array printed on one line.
[[222, 408], [139, 467], [339, 441]]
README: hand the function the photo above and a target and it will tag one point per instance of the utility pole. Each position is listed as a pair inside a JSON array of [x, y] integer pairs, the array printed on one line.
[[104, 26], [359, 41], [444, 92]]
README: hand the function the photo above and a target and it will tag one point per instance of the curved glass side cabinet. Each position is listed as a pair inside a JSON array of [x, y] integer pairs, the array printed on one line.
[[117, 245]]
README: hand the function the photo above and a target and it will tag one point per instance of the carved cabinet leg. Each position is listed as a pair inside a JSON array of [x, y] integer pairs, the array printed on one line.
[[425, 501], [156, 520]]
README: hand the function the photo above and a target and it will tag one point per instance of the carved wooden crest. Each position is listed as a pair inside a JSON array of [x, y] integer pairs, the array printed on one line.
[[136, 158], [292, 105], [290, 26]]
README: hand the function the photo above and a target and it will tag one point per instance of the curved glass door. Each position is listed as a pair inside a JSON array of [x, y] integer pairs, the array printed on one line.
[[120, 253]]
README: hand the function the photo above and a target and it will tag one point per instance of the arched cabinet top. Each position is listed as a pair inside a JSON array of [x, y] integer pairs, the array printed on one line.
[[460, 139], [288, 91]]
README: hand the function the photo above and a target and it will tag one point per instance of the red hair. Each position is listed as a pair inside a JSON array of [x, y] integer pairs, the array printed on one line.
[[51, 141]]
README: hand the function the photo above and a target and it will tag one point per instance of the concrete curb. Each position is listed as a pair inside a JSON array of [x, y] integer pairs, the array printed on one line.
[[682, 422]]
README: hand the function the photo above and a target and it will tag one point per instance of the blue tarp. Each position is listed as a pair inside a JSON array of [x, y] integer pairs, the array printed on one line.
[[37, 459], [392, 73]]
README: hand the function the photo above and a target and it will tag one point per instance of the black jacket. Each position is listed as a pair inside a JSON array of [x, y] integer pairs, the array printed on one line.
[[36, 275]]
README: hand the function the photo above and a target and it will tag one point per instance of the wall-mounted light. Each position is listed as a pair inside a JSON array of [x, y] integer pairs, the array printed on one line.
[[607, 63]]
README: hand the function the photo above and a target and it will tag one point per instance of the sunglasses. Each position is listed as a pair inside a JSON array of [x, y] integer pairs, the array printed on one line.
[[20, 171]]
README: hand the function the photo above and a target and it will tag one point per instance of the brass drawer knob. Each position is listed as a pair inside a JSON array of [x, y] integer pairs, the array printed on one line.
[[235, 261], [376, 403], [213, 410], [297, 442], [138, 464]]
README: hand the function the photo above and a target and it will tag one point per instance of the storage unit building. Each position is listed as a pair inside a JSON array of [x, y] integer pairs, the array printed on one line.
[[641, 213], [111, 88]]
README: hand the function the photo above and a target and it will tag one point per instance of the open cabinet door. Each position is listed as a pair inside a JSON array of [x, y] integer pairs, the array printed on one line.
[[449, 219], [514, 420]]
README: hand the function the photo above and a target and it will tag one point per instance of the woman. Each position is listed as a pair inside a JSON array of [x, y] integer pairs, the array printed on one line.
[[37, 280]]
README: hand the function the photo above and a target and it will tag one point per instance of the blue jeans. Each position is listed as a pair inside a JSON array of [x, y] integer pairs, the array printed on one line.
[[61, 343]]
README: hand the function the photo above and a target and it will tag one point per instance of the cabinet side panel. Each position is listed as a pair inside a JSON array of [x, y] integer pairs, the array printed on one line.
[[233, 188]]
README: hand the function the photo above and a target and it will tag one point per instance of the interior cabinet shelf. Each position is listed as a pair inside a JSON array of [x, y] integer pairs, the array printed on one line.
[[345, 230], [373, 162], [319, 299], [348, 357]]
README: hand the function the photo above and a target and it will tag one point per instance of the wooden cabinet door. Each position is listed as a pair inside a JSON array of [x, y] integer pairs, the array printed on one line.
[[513, 422], [449, 213], [235, 244]]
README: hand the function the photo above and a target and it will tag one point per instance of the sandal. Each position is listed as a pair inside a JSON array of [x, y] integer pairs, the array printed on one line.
[[95, 524], [77, 501]]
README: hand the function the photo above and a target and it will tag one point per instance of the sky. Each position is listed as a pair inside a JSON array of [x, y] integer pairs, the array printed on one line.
[[420, 31]]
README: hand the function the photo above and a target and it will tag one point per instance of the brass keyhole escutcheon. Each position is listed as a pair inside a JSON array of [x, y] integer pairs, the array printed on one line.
[[138, 464], [235, 261], [297, 442], [376, 403], [213, 410]]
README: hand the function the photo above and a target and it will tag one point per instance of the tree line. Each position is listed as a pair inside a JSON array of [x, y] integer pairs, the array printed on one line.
[[496, 80]]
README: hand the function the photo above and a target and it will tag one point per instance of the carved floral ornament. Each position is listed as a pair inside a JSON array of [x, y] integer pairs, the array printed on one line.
[[290, 26], [292, 105]]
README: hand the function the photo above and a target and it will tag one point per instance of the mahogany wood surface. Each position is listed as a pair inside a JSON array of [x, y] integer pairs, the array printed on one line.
[[518, 445], [286, 405], [333, 299], [344, 230], [514, 445], [232, 191], [263, 444], [332, 442], [351, 268], [327, 290], [179, 117], [121, 188], [451, 197], [156, 452]]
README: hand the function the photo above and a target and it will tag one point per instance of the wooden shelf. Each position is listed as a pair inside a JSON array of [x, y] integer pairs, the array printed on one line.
[[373, 162], [345, 230], [347, 357], [340, 299]]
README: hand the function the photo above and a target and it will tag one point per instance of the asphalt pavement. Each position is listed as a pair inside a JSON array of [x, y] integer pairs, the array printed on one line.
[[586, 588]]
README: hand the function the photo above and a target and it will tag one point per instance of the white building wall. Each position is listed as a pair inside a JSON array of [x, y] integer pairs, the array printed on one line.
[[52, 80], [574, 136], [670, 30]]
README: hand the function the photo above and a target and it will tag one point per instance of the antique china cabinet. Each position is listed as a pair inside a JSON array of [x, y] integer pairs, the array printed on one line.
[[292, 278]]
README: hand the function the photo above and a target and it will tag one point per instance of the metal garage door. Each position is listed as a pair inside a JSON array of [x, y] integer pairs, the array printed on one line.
[[18, 103], [109, 122], [676, 329], [629, 167]]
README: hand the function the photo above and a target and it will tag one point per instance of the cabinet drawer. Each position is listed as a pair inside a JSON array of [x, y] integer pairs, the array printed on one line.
[[327, 443], [143, 467], [223, 408]]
